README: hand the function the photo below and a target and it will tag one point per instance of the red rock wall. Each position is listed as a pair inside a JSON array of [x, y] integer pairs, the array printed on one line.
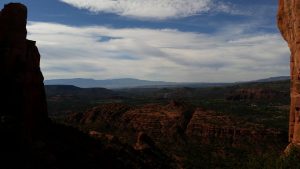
[[172, 122], [23, 105], [211, 127], [289, 25]]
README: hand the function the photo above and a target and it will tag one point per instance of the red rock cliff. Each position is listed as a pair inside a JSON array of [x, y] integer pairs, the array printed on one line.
[[289, 25], [23, 107]]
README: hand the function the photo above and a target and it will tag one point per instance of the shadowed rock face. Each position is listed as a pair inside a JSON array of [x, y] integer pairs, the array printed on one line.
[[289, 25], [23, 107], [13, 23]]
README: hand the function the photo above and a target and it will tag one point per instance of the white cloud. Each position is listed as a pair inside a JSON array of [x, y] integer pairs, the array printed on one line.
[[158, 54], [151, 9]]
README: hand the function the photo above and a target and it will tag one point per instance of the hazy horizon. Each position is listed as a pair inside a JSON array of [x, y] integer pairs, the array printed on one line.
[[126, 78], [158, 40]]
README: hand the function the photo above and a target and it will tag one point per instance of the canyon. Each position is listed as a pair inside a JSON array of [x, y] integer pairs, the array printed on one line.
[[182, 127]]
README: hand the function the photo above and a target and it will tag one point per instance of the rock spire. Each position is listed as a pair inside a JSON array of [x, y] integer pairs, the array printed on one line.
[[289, 25]]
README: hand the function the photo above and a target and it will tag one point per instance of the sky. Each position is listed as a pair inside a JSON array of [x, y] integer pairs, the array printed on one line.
[[167, 40]]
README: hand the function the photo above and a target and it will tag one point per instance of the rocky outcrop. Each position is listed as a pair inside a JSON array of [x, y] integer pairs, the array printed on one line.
[[175, 122], [24, 108], [158, 121], [209, 127], [289, 25], [144, 142], [107, 112]]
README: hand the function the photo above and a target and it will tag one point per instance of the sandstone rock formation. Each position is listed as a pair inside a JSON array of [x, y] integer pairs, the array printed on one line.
[[289, 25], [172, 122], [108, 112], [209, 127], [144, 142], [23, 107], [156, 120]]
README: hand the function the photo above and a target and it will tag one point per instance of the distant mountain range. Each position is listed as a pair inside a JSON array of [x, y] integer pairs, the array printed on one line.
[[110, 83], [274, 79], [136, 83]]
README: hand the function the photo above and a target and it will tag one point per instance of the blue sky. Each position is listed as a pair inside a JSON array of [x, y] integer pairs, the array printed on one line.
[[169, 40]]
